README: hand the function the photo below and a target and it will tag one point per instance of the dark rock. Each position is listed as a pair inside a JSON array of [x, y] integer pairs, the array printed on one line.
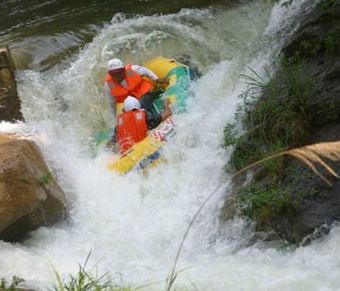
[[317, 42], [315, 205], [311, 38], [9, 99]]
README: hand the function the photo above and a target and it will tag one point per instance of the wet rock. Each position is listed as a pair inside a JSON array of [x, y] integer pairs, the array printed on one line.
[[9, 99], [316, 204], [313, 205], [317, 42], [230, 207], [29, 195]]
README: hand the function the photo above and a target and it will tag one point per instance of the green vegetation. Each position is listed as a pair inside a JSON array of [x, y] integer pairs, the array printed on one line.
[[331, 42], [279, 113], [82, 281], [279, 119], [329, 3], [44, 179], [230, 135], [85, 281], [262, 202], [326, 45], [5, 286]]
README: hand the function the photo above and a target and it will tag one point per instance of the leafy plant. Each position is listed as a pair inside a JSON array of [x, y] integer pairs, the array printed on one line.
[[280, 118], [261, 203], [331, 41], [280, 112], [84, 281], [45, 179], [230, 135], [5, 286], [329, 3]]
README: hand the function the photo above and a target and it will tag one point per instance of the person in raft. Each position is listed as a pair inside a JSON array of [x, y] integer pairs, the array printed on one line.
[[134, 123], [122, 81]]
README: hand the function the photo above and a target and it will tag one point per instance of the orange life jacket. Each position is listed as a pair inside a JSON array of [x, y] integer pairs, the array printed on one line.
[[131, 128], [136, 85]]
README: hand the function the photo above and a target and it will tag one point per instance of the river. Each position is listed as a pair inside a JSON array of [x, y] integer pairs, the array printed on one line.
[[133, 225]]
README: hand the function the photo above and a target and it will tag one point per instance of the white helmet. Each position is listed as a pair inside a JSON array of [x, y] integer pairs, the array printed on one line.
[[131, 103], [115, 64]]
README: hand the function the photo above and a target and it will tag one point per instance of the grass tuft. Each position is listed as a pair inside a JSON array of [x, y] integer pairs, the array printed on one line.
[[261, 202], [12, 286], [280, 119], [85, 281]]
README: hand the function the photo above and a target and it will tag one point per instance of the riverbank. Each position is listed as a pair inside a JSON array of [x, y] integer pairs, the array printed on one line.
[[300, 105]]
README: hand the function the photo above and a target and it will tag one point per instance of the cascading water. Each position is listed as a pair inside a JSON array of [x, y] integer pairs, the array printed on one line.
[[133, 225]]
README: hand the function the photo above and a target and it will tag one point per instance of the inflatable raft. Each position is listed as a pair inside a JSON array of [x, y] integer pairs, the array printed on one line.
[[148, 152]]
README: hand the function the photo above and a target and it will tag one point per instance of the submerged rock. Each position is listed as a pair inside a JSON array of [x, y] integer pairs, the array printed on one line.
[[30, 197]]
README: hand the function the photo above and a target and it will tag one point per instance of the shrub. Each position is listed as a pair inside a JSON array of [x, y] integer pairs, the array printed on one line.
[[280, 118], [262, 202]]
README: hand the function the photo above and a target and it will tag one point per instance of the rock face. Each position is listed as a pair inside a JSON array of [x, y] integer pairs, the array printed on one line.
[[29, 195], [318, 42], [301, 205], [9, 100], [316, 205]]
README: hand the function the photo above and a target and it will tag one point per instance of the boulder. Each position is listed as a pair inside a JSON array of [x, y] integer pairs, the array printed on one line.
[[30, 197], [9, 99]]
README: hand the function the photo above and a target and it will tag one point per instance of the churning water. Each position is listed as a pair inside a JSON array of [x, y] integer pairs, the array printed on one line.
[[133, 225]]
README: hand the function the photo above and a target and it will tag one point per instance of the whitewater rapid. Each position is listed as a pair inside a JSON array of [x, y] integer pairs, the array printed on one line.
[[133, 225]]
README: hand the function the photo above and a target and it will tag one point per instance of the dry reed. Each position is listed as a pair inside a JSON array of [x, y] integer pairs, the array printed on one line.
[[309, 155]]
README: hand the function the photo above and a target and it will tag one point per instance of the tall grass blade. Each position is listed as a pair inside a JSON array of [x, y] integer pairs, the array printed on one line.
[[173, 275], [60, 286]]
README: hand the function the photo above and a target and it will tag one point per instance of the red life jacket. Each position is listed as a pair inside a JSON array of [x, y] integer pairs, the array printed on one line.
[[131, 129], [136, 85]]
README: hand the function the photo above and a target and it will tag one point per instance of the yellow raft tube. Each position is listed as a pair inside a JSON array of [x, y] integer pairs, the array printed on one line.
[[148, 152]]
